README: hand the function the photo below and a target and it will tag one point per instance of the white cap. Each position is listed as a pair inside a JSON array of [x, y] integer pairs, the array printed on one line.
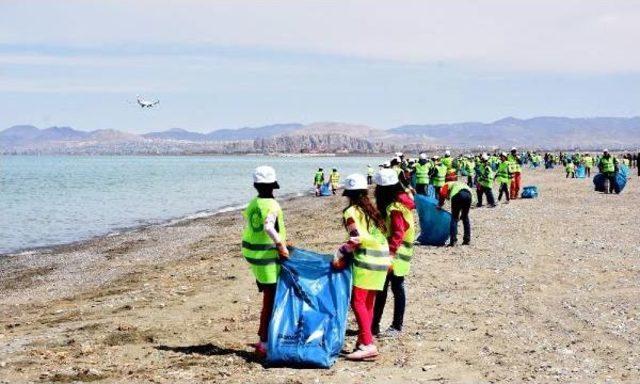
[[485, 156], [264, 175], [503, 154], [423, 156], [605, 150], [399, 154], [355, 181], [514, 148], [447, 153], [436, 157], [386, 177]]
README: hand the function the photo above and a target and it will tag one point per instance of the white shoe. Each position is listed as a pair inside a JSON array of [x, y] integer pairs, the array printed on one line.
[[391, 333], [364, 353]]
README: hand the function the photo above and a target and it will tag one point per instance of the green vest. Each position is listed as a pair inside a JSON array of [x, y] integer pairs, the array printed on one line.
[[257, 247], [607, 165], [422, 173], [371, 261], [401, 264], [440, 175], [588, 161], [455, 187], [503, 172], [470, 167], [335, 178], [569, 167], [485, 177], [369, 171], [447, 162], [515, 166], [318, 179]]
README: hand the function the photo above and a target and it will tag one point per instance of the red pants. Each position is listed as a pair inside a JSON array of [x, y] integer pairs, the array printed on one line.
[[268, 296], [362, 302], [515, 185]]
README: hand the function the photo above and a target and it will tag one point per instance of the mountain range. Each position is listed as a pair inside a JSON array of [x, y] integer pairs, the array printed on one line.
[[538, 133]]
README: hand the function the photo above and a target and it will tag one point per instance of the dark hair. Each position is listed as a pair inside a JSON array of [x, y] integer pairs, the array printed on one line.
[[265, 191], [385, 195], [360, 198]]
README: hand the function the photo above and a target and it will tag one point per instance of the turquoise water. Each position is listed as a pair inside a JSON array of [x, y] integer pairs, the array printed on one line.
[[49, 200]]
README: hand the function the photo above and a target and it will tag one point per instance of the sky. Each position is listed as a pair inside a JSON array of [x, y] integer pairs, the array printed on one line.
[[230, 64]]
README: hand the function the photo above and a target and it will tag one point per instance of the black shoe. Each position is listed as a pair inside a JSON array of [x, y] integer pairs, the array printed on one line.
[[452, 244], [466, 242]]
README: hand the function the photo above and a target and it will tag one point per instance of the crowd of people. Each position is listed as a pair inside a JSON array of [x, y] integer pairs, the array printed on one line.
[[380, 232]]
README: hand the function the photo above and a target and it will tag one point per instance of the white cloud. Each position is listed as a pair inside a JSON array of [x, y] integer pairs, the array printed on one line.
[[543, 35]]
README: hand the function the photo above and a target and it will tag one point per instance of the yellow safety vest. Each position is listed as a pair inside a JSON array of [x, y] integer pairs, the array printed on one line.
[[335, 178], [402, 261], [257, 247], [371, 261]]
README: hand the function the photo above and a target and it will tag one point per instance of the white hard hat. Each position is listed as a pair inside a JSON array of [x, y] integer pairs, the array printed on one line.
[[514, 148], [264, 175], [386, 177], [423, 156], [447, 152], [355, 182], [605, 150], [436, 157], [485, 156], [503, 154]]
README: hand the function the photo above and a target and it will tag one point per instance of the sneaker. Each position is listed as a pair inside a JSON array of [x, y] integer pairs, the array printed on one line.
[[391, 333], [452, 244], [260, 349], [492, 206], [364, 353], [466, 242]]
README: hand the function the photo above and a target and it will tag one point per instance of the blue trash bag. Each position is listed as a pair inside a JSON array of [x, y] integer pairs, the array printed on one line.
[[309, 318], [598, 182], [620, 180], [325, 190], [581, 172], [529, 192], [434, 222], [431, 192]]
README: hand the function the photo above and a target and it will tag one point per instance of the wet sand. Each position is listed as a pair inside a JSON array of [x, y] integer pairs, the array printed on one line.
[[548, 292]]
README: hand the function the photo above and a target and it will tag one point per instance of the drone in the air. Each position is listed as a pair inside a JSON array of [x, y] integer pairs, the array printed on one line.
[[146, 103]]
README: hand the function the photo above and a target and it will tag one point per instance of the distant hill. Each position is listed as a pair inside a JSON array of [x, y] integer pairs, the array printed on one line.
[[539, 132], [546, 132]]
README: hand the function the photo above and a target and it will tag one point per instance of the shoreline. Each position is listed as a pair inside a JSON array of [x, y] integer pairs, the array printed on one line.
[[184, 219]]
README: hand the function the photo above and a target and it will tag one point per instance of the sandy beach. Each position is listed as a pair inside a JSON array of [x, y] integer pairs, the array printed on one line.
[[548, 292]]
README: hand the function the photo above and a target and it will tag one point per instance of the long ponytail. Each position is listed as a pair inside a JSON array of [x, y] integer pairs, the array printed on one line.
[[360, 198]]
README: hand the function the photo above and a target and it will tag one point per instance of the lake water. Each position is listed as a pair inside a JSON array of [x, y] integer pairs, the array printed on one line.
[[49, 200]]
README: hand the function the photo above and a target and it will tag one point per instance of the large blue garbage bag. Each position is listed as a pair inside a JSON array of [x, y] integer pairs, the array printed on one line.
[[325, 190], [434, 223], [581, 172], [529, 192], [309, 318], [620, 180]]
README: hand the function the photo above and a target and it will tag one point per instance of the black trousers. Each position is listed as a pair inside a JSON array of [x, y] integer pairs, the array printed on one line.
[[421, 189], [399, 303], [504, 188], [460, 206], [485, 191]]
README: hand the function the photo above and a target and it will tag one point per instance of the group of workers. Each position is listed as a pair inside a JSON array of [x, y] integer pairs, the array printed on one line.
[[380, 232]]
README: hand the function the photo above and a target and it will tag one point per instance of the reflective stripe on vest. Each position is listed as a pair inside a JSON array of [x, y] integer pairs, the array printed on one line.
[[257, 247], [371, 260], [404, 253], [422, 173], [440, 176]]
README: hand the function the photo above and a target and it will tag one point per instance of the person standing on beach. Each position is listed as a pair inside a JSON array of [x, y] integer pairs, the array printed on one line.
[[396, 207], [370, 173], [437, 174], [587, 160], [460, 196], [318, 180], [334, 178], [608, 166], [516, 174], [421, 170], [367, 251], [485, 181], [503, 176], [264, 245]]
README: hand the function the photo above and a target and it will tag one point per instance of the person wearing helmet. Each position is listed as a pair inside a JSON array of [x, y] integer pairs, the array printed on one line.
[[318, 180], [367, 251], [503, 176], [608, 166], [396, 207], [516, 174], [485, 181], [447, 160], [421, 170], [264, 245], [334, 178]]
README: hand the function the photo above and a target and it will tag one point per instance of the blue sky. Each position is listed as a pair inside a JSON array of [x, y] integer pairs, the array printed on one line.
[[228, 64]]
